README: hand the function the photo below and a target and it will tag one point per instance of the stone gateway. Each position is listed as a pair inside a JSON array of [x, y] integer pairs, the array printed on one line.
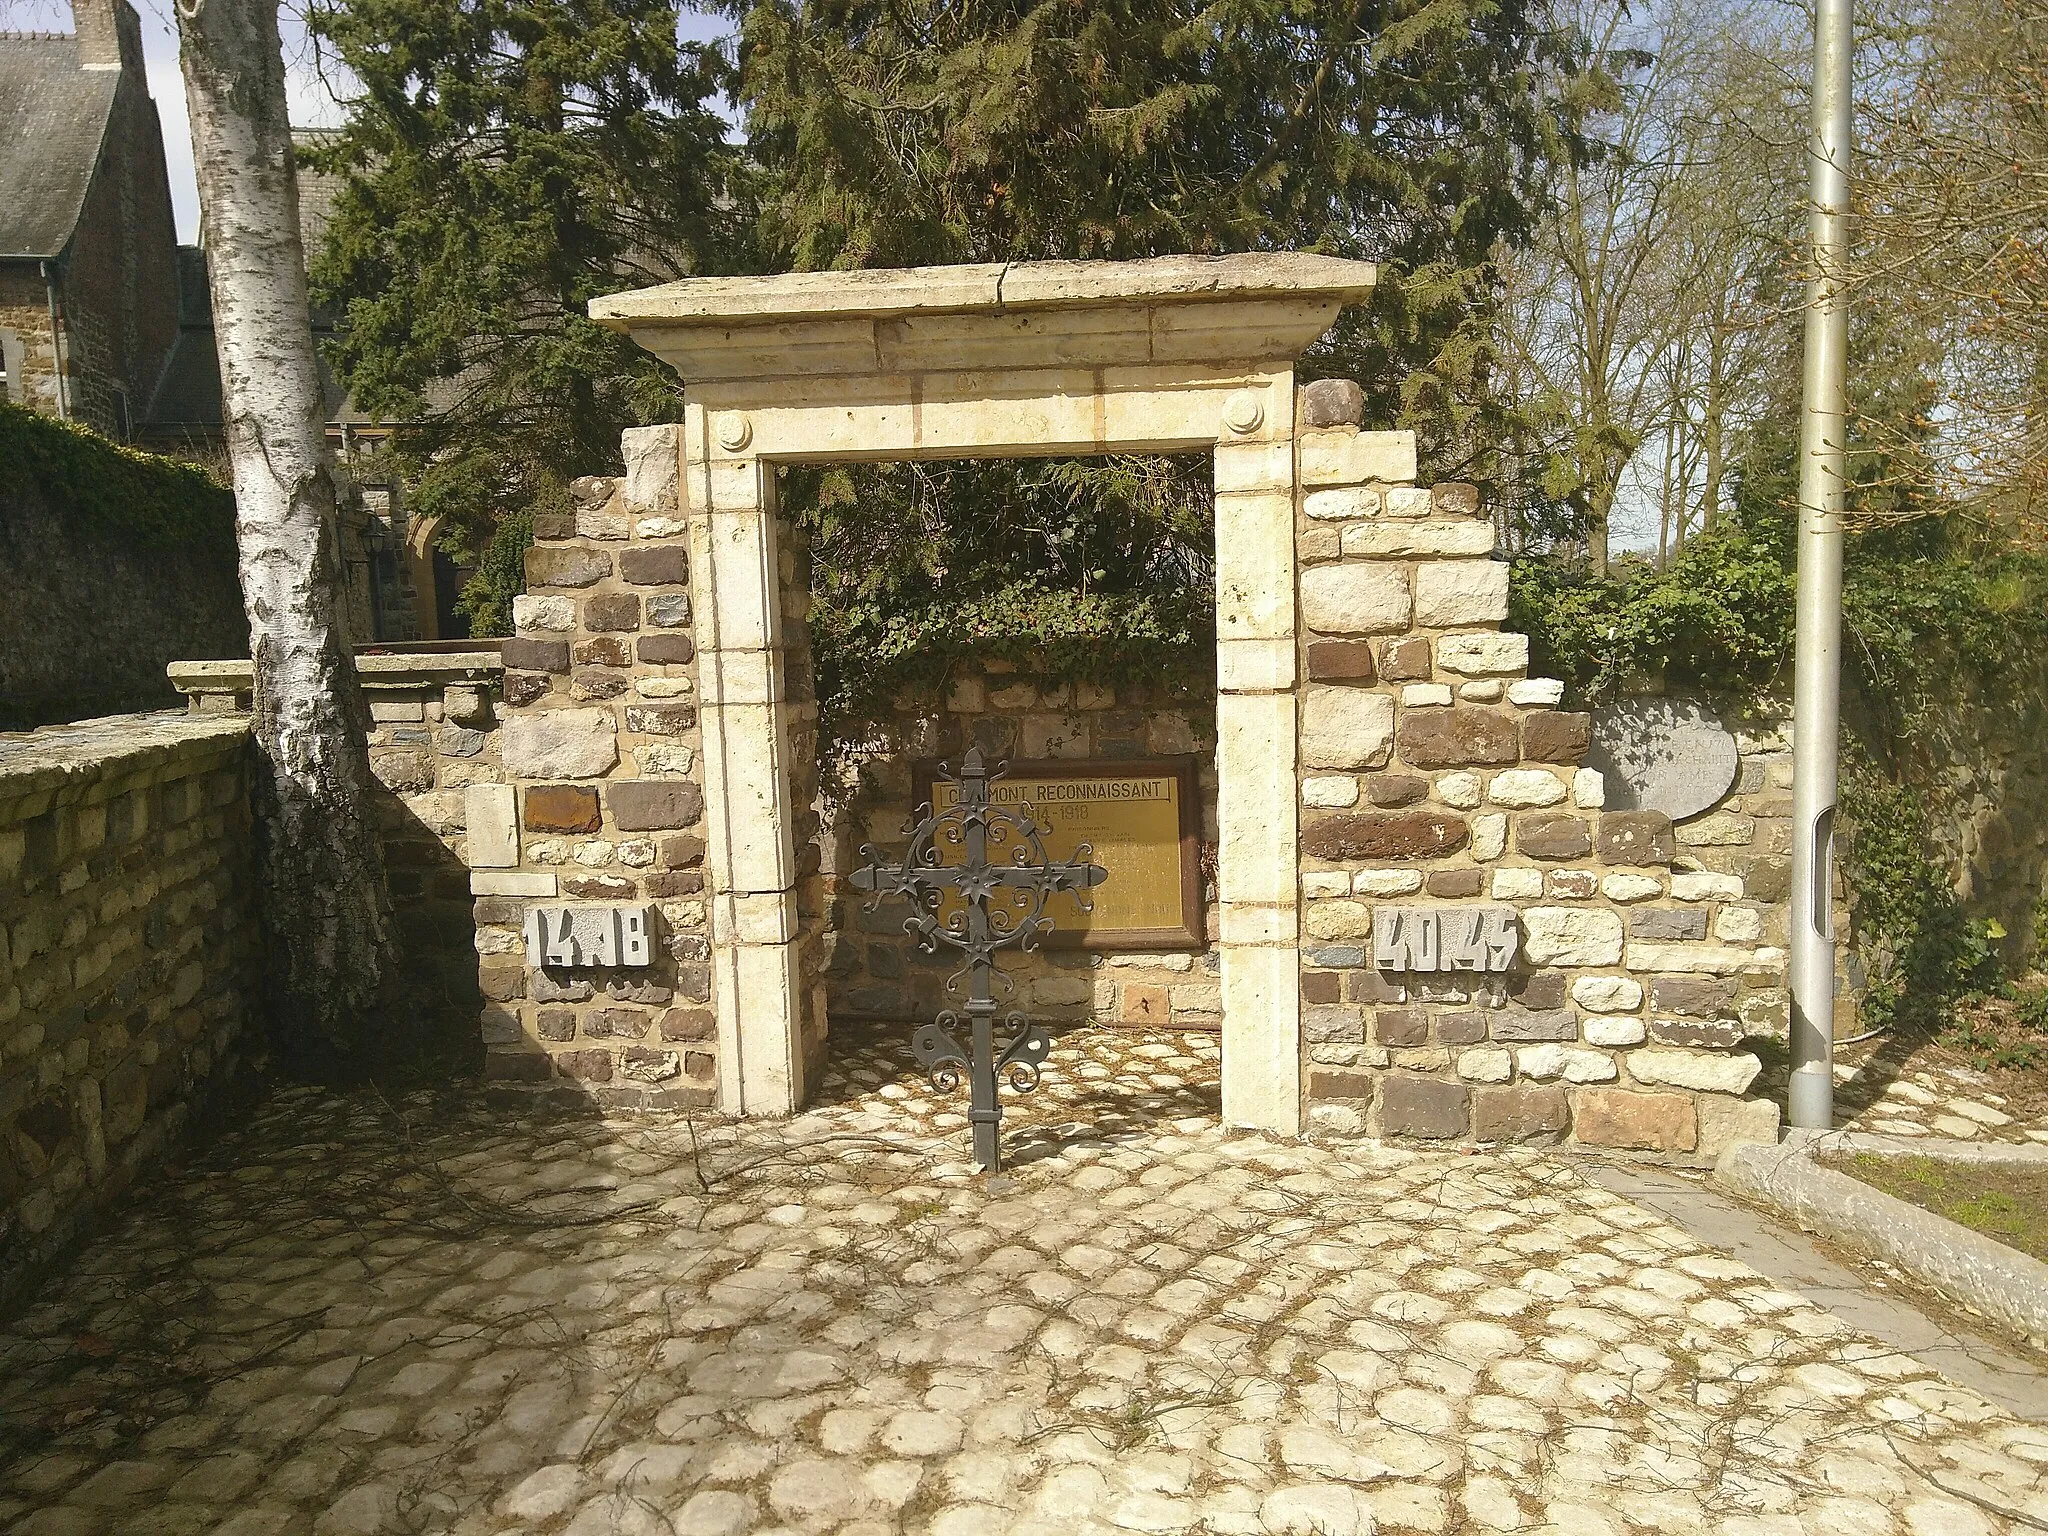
[[1426, 919]]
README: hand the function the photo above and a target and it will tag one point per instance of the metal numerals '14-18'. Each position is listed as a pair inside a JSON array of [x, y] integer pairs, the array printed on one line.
[[994, 858]]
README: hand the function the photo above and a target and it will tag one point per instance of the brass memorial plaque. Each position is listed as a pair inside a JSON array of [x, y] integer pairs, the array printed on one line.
[[1142, 819]]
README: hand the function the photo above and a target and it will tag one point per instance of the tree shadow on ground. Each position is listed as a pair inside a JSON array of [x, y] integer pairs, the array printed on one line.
[[1065, 1109]]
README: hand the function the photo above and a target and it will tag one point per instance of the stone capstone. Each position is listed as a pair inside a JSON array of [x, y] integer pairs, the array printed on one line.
[[1450, 593], [651, 470], [1346, 728], [1487, 655], [1373, 835], [559, 744], [1332, 403], [1455, 738]]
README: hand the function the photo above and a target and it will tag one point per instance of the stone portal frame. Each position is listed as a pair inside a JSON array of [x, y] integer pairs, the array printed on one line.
[[1175, 355]]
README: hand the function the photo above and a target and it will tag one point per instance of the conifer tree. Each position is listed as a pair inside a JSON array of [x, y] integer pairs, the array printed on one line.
[[505, 162], [1409, 132]]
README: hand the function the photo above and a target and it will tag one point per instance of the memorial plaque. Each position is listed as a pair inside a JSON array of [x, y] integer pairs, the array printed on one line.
[[1669, 755], [615, 936], [1444, 938], [1142, 821]]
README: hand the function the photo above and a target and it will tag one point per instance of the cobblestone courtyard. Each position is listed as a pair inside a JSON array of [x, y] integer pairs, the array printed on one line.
[[454, 1313]]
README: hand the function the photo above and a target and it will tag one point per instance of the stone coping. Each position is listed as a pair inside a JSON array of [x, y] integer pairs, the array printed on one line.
[[989, 286], [408, 669], [2000, 1283], [63, 763]]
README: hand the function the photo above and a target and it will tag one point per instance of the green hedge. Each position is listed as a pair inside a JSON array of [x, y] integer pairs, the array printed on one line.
[[141, 499]]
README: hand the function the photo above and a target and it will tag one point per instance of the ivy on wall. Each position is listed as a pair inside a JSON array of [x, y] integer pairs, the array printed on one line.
[[141, 499], [1945, 636]]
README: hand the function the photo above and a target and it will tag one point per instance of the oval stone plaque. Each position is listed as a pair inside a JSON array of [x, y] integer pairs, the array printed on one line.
[[1669, 755]]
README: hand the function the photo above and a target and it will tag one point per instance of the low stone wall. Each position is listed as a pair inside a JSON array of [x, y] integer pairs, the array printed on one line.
[[434, 719], [127, 939], [874, 970], [1435, 774]]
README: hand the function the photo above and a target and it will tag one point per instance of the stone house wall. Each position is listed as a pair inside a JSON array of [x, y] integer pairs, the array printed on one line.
[[1433, 772], [873, 969], [127, 938], [116, 278], [31, 359]]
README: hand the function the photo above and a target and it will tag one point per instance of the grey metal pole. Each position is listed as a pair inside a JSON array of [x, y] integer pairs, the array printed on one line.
[[1817, 674]]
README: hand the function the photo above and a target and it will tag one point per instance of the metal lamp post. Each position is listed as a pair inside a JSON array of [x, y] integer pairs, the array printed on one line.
[[1817, 674]]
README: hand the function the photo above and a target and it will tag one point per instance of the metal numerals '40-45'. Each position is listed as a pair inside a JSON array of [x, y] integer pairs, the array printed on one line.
[[994, 858]]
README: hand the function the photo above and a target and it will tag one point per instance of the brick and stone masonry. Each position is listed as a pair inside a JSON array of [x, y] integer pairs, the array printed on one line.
[[127, 938], [601, 799], [1434, 772]]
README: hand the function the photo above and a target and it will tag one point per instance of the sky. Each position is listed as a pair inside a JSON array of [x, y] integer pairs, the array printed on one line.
[[316, 102]]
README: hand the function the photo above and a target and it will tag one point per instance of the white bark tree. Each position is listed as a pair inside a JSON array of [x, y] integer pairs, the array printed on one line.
[[326, 910]]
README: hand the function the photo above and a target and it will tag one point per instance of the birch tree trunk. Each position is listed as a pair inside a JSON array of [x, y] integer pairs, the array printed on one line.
[[326, 911]]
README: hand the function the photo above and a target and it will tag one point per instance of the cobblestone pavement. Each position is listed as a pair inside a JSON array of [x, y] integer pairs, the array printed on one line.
[[449, 1314], [1944, 1101]]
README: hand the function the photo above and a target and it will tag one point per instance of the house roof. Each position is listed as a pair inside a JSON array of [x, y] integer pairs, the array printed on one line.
[[53, 117]]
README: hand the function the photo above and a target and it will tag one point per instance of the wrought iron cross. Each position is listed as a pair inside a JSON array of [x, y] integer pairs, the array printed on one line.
[[1005, 901]]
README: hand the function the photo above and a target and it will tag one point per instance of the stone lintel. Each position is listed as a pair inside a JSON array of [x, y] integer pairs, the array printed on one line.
[[992, 317]]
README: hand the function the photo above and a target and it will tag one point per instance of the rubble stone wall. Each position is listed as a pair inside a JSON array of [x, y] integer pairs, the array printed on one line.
[[91, 620], [873, 968], [433, 734], [1435, 773], [602, 798], [127, 937]]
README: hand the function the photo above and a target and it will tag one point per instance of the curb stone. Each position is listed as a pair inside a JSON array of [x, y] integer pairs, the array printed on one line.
[[1998, 1282]]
